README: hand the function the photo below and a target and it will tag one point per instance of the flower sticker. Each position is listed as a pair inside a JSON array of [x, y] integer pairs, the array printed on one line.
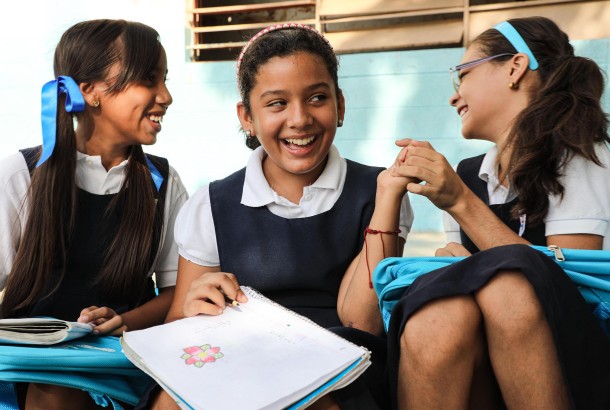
[[200, 355]]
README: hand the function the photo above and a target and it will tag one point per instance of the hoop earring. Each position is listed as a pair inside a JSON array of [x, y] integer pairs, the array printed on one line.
[[340, 123], [95, 103], [513, 86]]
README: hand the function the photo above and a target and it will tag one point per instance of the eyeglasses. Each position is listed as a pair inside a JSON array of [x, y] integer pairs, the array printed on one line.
[[455, 71]]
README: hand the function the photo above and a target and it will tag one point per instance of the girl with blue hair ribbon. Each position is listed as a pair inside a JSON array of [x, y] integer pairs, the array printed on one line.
[[505, 327], [86, 219]]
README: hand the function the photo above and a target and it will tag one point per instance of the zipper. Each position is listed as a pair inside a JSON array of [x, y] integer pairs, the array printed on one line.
[[557, 252]]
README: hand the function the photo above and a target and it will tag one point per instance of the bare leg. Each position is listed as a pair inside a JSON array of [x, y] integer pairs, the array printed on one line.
[[164, 401], [521, 346], [440, 348], [50, 397], [325, 403]]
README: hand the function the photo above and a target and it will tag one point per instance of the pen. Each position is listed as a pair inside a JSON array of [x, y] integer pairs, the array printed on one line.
[[230, 301]]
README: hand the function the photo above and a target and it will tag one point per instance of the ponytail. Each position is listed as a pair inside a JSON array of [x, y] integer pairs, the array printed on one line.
[[52, 208], [563, 119], [129, 257]]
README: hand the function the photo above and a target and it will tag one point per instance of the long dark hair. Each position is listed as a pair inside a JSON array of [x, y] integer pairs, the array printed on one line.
[[564, 117], [85, 52], [281, 43]]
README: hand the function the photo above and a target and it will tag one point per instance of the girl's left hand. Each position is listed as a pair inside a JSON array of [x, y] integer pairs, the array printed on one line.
[[105, 320], [452, 249]]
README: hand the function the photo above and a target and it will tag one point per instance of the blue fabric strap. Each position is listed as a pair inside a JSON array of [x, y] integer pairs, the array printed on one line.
[[75, 102], [155, 174], [8, 396], [513, 36]]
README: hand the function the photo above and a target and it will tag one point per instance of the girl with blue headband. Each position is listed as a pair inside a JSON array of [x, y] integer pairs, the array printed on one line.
[[88, 217], [506, 328]]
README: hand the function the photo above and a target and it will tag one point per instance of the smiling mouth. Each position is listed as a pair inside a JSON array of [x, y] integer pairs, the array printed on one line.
[[299, 142], [156, 118], [463, 111]]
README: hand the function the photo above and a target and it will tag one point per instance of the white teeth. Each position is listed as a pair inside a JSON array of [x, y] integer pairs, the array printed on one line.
[[463, 111], [156, 118], [300, 141]]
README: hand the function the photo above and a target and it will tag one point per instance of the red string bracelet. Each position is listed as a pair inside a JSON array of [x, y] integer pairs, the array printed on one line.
[[368, 230]]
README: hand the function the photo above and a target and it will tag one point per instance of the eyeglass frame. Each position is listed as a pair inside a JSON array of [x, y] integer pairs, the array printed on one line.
[[455, 71]]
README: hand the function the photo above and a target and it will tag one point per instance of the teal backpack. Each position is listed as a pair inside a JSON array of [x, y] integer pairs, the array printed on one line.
[[588, 269], [95, 364]]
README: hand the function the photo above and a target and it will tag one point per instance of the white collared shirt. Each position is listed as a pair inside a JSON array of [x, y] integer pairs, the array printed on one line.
[[584, 209], [92, 177], [195, 232]]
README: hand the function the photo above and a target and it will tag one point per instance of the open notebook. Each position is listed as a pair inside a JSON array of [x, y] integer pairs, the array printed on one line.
[[41, 331], [258, 355]]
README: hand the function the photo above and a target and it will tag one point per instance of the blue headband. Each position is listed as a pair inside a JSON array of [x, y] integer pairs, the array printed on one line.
[[513, 36], [51, 91], [75, 102]]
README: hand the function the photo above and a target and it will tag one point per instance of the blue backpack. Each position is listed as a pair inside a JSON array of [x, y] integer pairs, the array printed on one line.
[[95, 364], [588, 269]]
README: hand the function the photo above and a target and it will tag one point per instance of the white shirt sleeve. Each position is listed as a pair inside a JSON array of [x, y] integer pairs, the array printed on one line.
[[195, 232], [452, 228], [585, 206], [14, 183], [166, 266]]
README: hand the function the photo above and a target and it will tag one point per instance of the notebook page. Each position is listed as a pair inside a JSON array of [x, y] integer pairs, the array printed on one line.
[[254, 356]]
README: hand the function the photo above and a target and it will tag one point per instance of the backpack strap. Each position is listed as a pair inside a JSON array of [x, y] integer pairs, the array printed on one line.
[[162, 166]]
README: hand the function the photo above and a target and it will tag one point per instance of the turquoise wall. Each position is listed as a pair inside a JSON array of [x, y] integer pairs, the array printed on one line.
[[389, 95]]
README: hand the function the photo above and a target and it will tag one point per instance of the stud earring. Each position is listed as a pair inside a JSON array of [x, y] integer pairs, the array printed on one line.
[[340, 123], [513, 86], [248, 133], [95, 103]]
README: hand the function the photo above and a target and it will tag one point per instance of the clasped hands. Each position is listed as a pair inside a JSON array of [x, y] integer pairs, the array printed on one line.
[[429, 173]]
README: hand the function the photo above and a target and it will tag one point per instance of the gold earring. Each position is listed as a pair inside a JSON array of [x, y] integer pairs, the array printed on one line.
[[95, 103], [513, 86]]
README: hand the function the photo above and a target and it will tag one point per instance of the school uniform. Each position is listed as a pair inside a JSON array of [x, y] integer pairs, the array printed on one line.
[[583, 349], [295, 254], [94, 230]]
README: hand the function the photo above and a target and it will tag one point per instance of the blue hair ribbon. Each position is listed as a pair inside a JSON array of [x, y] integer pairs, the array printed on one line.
[[513, 36], [155, 174], [75, 102]]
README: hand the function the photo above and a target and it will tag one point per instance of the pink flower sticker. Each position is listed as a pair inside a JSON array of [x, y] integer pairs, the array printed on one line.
[[200, 355]]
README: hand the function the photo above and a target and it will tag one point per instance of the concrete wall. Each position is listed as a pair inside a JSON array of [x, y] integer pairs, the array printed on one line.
[[389, 95]]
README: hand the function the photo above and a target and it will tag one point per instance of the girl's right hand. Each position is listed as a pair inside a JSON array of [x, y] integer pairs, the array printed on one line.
[[441, 184], [206, 294]]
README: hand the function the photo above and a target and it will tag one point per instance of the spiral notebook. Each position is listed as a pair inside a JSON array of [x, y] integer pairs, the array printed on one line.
[[258, 355]]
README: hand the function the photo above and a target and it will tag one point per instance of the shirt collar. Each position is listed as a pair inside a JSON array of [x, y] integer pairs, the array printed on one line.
[[257, 191], [96, 159], [488, 173], [488, 166]]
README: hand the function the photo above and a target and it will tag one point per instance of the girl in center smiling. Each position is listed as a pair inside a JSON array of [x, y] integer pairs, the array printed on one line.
[[292, 223]]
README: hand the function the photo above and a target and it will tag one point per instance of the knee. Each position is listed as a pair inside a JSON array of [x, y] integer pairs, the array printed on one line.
[[440, 332], [510, 305]]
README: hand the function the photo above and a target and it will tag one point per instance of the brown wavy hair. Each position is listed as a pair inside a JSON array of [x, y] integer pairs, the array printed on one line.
[[563, 119], [85, 52]]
